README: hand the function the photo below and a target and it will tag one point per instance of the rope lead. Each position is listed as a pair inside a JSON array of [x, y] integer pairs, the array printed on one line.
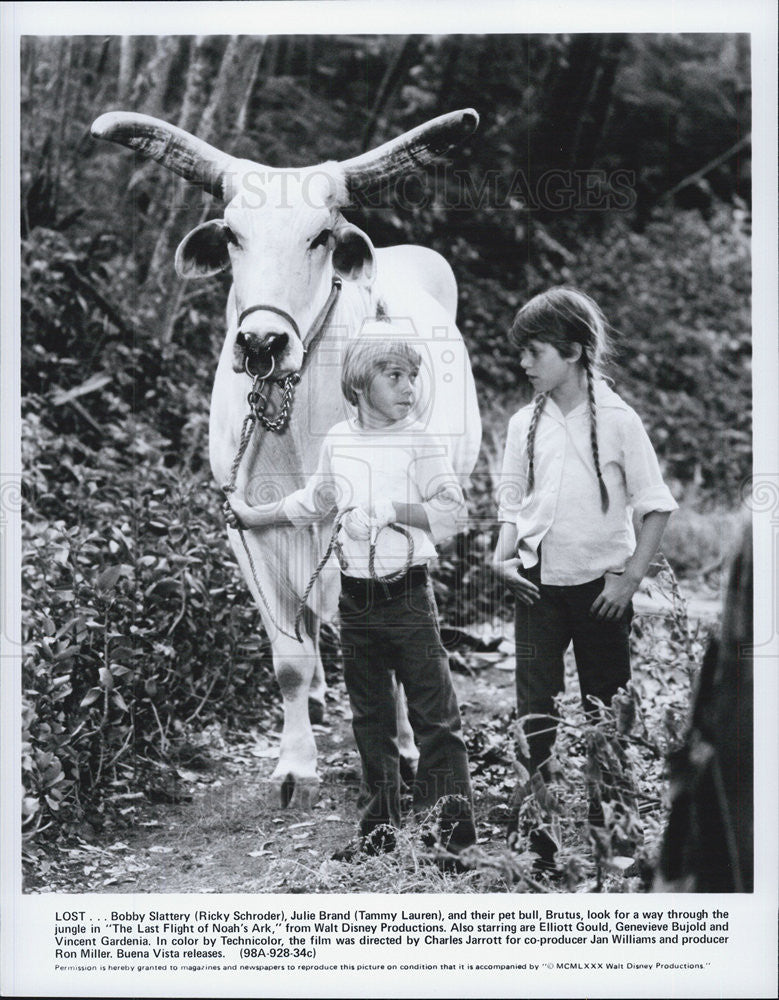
[[257, 406]]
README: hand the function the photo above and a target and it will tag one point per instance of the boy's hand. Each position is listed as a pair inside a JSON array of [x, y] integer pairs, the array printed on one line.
[[231, 510], [357, 524], [611, 603], [240, 515], [383, 513], [509, 570]]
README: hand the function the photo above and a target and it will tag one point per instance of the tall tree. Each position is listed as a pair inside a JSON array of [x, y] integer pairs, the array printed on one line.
[[394, 75], [216, 123], [588, 129], [127, 51], [242, 119], [151, 86]]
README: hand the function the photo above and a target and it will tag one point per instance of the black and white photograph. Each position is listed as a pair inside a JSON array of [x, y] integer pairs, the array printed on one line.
[[389, 500]]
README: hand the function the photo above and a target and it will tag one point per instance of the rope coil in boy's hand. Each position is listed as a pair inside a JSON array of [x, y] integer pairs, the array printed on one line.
[[391, 577], [335, 545], [332, 545]]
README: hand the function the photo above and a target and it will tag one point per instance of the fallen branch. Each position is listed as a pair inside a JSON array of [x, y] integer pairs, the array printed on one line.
[[711, 165], [92, 384]]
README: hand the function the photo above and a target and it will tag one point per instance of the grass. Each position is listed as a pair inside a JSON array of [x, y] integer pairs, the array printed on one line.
[[699, 539], [225, 833]]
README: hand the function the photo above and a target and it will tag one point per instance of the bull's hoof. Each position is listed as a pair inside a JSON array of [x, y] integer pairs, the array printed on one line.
[[296, 793], [316, 712]]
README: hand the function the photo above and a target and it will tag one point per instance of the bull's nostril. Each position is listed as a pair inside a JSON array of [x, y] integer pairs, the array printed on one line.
[[277, 342], [271, 345]]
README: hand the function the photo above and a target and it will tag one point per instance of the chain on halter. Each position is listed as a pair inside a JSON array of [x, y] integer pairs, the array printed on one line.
[[257, 406], [258, 403]]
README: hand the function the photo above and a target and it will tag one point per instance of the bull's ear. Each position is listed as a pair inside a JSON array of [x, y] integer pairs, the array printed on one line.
[[203, 252], [353, 255]]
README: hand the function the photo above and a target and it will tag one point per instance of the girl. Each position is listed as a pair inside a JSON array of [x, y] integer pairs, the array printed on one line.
[[384, 471], [577, 465]]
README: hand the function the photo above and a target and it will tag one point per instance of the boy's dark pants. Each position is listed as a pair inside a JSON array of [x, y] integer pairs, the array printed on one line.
[[543, 633], [381, 634]]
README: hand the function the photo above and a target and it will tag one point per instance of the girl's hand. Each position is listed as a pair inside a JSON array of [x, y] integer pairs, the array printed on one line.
[[509, 570], [612, 602]]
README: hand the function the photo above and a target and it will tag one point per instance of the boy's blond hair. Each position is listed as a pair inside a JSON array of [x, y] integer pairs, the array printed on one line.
[[376, 349]]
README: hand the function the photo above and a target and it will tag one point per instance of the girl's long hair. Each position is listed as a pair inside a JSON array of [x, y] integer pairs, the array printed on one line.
[[564, 317]]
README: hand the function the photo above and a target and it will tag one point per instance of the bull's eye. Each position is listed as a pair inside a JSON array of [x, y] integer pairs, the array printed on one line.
[[321, 239]]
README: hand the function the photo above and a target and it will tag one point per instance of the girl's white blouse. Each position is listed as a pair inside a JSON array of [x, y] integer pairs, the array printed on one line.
[[580, 541]]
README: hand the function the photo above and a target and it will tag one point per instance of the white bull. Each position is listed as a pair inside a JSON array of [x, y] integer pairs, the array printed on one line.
[[286, 241]]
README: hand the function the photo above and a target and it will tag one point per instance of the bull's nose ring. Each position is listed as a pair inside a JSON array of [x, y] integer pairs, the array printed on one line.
[[252, 374]]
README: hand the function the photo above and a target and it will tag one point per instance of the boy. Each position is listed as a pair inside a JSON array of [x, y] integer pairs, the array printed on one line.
[[395, 494]]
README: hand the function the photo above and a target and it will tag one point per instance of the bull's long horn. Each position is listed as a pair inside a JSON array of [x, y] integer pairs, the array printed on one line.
[[412, 149], [184, 154]]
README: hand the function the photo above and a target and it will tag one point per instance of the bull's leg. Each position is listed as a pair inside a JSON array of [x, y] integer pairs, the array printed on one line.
[[316, 693], [295, 781], [409, 752]]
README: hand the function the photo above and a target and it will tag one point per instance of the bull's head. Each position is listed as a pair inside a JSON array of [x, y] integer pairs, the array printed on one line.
[[282, 232]]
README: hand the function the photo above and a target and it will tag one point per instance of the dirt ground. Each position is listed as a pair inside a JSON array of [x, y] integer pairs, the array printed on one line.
[[224, 831], [228, 835]]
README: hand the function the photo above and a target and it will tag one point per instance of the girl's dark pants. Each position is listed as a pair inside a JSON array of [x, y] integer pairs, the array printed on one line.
[[388, 628], [543, 633]]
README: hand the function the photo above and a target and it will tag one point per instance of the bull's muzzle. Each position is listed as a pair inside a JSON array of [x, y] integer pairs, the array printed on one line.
[[258, 354]]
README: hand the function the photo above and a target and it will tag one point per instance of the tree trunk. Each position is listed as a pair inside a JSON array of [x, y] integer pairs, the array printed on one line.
[[589, 127], [217, 113], [127, 50], [156, 77], [196, 84], [28, 62], [571, 85], [451, 56], [389, 86], [78, 65], [242, 120], [289, 55], [58, 130], [272, 60], [310, 60]]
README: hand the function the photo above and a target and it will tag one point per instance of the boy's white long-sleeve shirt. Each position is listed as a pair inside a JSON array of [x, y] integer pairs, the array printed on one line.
[[358, 467], [580, 541]]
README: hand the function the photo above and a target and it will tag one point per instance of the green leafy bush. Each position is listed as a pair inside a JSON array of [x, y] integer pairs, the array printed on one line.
[[682, 333], [614, 755], [137, 625]]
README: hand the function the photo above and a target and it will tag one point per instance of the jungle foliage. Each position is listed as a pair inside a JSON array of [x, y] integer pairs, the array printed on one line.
[[617, 163]]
